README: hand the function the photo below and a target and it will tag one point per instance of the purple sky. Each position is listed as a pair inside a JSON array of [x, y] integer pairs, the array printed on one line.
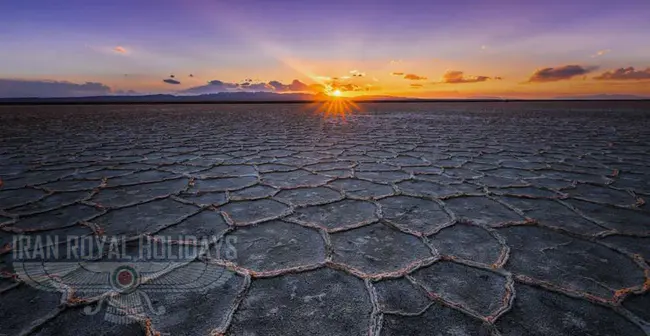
[[231, 41]]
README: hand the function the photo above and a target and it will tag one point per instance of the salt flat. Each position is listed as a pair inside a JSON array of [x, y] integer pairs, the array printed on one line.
[[393, 219]]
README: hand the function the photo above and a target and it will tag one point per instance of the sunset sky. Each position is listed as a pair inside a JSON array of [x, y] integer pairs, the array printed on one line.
[[459, 48]]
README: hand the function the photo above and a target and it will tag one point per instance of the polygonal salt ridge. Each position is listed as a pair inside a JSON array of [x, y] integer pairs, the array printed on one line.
[[142, 218], [520, 164], [383, 177], [19, 197], [276, 153], [574, 176], [336, 216], [621, 220], [124, 196], [69, 185], [228, 171], [375, 166], [294, 179], [309, 302], [415, 215], [183, 169], [314, 155], [272, 248], [577, 316], [635, 246], [478, 166], [483, 211], [527, 192], [407, 161], [435, 317], [449, 163], [463, 173], [499, 182], [304, 196], [206, 223], [139, 177], [514, 173], [242, 213], [378, 251], [478, 291], [604, 195], [330, 165], [275, 167], [53, 201], [381, 154], [100, 174], [360, 189], [419, 187], [62, 217], [425, 170], [295, 161], [567, 263], [254, 192], [470, 242], [222, 184], [33, 177], [202, 199]]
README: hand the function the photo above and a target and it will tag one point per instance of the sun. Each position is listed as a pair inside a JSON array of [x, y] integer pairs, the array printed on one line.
[[336, 93]]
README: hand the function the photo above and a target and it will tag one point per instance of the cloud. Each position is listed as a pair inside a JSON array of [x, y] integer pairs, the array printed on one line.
[[416, 86], [357, 73], [295, 86], [628, 73], [259, 87], [120, 50], [395, 61], [42, 88], [397, 74], [459, 77], [601, 53], [559, 73], [216, 86], [171, 81], [346, 87], [414, 77]]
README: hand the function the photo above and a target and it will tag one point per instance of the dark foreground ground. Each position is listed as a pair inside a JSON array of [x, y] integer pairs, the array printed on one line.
[[401, 219]]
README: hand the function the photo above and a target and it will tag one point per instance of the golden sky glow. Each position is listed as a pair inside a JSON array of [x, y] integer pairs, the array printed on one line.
[[501, 48]]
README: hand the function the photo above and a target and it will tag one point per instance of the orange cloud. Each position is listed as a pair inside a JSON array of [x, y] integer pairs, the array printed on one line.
[[397, 74], [559, 73], [414, 77], [416, 86], [120, 50], [458, 77], [628, 73]]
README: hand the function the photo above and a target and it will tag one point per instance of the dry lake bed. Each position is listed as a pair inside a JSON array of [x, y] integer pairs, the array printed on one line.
[[284, 219]]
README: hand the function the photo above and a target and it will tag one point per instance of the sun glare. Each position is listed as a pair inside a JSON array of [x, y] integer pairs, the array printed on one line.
[[336, 93]]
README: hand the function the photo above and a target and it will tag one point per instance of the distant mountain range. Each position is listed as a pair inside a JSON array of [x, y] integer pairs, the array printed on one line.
[[604, 97], [270, 97]]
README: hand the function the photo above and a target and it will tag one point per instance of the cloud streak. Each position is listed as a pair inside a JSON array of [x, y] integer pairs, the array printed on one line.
[[414, 77], [171, 81], [120, 50], [628, 73], [559, 73], [459, 77], [601, 53]]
